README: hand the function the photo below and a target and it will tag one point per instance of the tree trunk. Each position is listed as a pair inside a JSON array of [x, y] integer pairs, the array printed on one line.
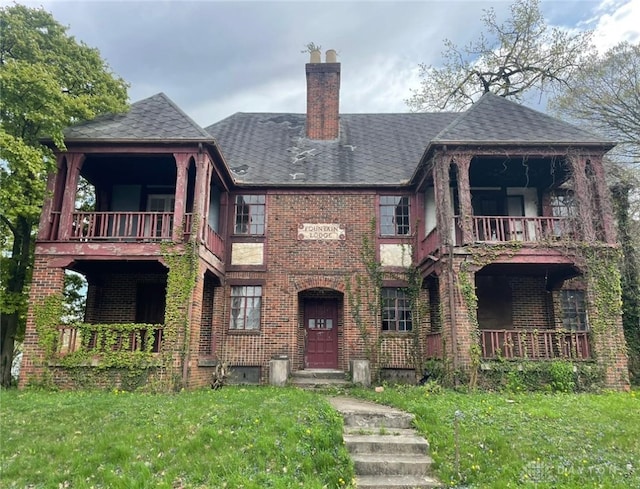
[[12, 322], [8, 329]]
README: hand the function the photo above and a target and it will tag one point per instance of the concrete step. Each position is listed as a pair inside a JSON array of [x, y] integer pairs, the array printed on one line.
[[391, 464], [396, 482], [318, 378], [318, 373], [378, 420], [355, 430], [396, 444]]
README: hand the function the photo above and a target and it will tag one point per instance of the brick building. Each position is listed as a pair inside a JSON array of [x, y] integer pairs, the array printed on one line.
[[323, 238]]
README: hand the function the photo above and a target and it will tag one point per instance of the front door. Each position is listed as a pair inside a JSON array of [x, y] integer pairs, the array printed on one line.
[[321, 331]]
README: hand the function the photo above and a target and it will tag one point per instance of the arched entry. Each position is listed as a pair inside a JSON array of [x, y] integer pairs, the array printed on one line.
[[321, 311]]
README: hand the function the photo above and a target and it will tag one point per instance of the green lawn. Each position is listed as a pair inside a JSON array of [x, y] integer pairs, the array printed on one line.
[[527, 440], [234, 437], [261, 437]]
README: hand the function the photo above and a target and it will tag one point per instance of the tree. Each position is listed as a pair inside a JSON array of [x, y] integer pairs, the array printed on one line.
[[509, 60], [48, 81], [605, 96]]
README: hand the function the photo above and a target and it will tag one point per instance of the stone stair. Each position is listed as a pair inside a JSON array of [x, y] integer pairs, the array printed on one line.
[[318, 378], [386, 451]]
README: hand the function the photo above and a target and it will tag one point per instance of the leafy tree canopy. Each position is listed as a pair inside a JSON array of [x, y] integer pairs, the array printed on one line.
[[508, 60], [48, 81]]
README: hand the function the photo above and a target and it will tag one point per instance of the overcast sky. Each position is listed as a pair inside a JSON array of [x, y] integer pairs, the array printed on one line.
[[215, 58]]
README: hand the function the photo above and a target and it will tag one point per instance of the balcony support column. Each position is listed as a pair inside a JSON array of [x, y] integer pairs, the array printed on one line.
[[182, 165], [201, 205], [74, 165], [604, 199], [52, 200], [444, 214], [584, 199], [463, 162]]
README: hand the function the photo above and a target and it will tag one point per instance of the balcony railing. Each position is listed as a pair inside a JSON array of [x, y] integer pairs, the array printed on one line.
[[121, 226], [99, 339], [524, 229], [535, 344]]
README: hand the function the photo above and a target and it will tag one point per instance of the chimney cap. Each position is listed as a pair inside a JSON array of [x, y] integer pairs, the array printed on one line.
[[331, 56], [314, 56]]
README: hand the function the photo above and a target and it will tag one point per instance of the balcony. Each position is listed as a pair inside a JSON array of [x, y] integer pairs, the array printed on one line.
[[126, 227], [510, 228], [535, 344]]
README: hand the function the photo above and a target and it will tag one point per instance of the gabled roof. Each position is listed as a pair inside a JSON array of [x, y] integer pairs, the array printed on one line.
[[496, 120], [373, 149], [155, 118]]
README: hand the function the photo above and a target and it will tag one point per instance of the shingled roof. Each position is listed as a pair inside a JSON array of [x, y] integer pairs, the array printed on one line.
[[377, 149], [496, 120], [155, 118], [373, 149]]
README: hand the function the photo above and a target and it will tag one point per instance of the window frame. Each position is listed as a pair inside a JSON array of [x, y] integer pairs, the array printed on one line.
[[573, 310], [395, 300], [243, 298], [388, 220], [254, 217]]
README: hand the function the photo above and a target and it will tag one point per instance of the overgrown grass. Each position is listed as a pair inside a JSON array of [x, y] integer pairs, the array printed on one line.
[[526, 440], [233, 438], [284, 438]]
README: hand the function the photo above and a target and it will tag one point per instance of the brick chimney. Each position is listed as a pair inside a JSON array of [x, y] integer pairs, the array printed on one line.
[[323, 96]]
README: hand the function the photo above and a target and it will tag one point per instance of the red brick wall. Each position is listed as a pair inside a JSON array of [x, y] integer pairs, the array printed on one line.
[[323, 93], [46, 281]]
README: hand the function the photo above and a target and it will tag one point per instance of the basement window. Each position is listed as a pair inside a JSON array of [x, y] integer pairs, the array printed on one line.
[[394, 215], [396, 310]]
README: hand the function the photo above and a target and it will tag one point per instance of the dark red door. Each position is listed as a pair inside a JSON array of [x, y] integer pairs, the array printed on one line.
[[321, 328]]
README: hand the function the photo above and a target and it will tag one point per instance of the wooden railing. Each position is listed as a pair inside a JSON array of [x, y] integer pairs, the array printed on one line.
[[434, 346], [524, 229], [100, 340], [535, 344], [121, 226], [214, 243], [430, 243]]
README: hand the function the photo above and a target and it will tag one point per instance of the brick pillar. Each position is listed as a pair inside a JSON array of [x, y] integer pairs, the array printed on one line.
[[201, 197], [74, 164], [46, 281], [182, 165], [463, 162], [323, 97]]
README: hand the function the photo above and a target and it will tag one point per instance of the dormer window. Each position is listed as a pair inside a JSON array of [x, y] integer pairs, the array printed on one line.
[[394, 215]]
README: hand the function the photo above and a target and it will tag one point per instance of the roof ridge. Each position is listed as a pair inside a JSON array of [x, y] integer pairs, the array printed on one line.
[[182, 112]]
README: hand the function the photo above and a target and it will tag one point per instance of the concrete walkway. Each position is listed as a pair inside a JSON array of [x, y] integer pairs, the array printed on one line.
[[385, 448]]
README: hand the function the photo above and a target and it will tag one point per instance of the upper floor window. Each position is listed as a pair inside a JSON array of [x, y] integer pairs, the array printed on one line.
[[394, 215], [574, 310], [246, 301], [249, 214], [396, 309]]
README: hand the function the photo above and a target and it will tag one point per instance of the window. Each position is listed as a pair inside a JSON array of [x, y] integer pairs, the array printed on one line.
[[245, 307], [562, 204], [249, 214], [396, 309], [574, 311], [394, 216]]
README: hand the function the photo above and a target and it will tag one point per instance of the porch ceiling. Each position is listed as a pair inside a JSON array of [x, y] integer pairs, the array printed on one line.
[[103, 170], [514, 171], [89, 267], [553, 271]]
